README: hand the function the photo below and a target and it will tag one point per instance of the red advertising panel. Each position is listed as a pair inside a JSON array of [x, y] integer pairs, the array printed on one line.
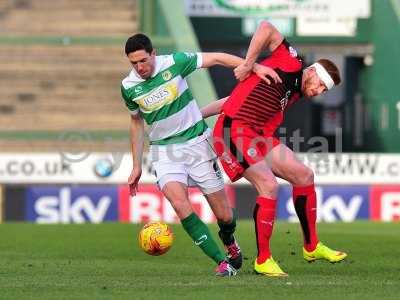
[[385, 203], [149, 204]]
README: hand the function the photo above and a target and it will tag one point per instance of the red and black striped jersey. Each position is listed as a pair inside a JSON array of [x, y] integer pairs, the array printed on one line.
[[258, 104]]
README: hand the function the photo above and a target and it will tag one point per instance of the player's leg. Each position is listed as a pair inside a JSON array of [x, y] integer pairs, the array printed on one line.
[[205, 173], [285, 165], [172, 180], [177, 194], [262, 178], [241, 155], [226, 217]]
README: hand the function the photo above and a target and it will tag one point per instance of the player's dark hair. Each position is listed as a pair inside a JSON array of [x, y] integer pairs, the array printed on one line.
[[137, 42], [332, 70]]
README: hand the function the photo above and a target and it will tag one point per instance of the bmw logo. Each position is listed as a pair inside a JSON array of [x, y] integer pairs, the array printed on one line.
[[103, 168]]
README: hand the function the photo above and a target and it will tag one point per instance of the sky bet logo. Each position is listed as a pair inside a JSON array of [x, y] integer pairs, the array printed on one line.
[[49, 205]]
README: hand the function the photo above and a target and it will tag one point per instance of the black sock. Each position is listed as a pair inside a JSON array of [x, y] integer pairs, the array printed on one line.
[[226, 230]]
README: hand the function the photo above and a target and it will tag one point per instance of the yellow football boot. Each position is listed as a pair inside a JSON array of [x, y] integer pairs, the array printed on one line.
[[323, 252], [269, 268]]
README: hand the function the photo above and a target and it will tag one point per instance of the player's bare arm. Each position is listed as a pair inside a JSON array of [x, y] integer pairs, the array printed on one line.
[[214, 108], [218, 58], [231, 61], [265, 37], [137, 138]]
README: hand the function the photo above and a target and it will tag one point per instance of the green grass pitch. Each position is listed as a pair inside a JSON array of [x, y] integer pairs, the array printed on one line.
[[104, 262]]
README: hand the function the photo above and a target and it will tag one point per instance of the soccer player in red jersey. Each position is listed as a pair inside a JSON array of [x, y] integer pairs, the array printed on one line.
[[245, 143]]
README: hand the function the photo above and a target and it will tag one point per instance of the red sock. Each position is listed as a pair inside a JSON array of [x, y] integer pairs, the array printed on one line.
[[305, 203], [264, 216]]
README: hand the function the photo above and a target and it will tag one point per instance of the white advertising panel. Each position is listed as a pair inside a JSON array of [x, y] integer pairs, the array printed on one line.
[[93, 168], [278, 8], [22, 168], [326, 26]]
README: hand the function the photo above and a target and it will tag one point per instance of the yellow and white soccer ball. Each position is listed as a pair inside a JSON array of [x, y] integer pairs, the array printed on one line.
[[156, 238]]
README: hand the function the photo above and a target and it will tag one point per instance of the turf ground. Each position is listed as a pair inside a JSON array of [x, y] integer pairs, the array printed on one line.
[[104, 261]]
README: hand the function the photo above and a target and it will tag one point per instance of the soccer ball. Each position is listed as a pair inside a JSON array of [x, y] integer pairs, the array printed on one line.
[[156, 238]]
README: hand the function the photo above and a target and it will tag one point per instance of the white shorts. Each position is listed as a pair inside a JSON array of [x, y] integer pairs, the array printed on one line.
[[193, 164]]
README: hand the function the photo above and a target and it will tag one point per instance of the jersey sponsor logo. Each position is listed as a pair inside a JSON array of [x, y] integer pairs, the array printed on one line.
[[284, 101], [292, 51], [167, 75], [138, 89], [162, 96]]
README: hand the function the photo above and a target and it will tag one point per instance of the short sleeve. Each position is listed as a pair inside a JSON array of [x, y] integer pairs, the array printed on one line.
[[187, 62], [131, 105], [286, 57]]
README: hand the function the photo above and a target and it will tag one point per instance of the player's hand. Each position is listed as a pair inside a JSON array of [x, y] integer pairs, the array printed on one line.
[[133, 181], [266, 73], [243, 71]]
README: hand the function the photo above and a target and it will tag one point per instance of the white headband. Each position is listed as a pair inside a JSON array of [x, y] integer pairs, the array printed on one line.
[[324, 75]]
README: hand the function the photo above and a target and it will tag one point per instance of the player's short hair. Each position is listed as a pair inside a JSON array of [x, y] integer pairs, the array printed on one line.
[[332, 70], [137, 42]]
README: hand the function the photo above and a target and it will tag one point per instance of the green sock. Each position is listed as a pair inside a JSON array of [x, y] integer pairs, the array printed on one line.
[[201, 236], [226, 230]]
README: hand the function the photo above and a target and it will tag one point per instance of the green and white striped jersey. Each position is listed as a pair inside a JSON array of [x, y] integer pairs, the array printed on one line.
[[164, 100]]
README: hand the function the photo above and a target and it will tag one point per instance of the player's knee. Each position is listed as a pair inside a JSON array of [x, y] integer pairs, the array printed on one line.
[[223, 214], [226, 217], [266, 185], [181, 207], [304, 177]]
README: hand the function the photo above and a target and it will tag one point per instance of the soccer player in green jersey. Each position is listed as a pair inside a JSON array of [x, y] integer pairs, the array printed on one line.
[[156, 92]]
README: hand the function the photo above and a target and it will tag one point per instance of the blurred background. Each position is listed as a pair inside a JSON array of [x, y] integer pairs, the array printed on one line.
[[64, 143]]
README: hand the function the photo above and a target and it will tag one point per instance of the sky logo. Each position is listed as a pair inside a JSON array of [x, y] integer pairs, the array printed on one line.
[[50, 205], [334, 203]]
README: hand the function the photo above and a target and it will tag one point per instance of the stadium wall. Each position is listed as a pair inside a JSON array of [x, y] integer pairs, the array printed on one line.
[[171, 30], [371, 109], [51, 188]]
